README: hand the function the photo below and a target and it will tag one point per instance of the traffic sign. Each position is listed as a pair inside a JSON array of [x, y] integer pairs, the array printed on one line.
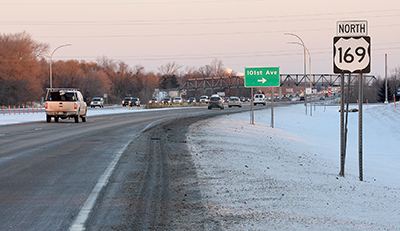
[[261, 77], [352, 28], [352, 54]]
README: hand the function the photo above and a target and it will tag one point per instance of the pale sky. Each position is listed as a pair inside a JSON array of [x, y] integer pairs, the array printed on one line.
[[192, 33]]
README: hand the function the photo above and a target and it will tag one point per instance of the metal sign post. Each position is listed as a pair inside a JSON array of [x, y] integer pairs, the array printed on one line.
[[351, 54], [252, 107], [342, 129], [360, 128], [272, 107], [261, 77]]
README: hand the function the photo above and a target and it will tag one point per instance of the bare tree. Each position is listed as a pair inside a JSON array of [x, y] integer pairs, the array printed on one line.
[[218, 67], [145, 83], [395, 79], [108, 65], [68, 74], [20, 68], [169, 69], [205, 71], [96, 84], [138, 69], [190, 73]]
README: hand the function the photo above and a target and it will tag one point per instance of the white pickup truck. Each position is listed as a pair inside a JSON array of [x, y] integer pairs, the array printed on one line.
[[65, 103]]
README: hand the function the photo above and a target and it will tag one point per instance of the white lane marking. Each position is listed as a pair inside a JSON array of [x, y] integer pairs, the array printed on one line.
[[83, 215], [79, 223], [152, 124]]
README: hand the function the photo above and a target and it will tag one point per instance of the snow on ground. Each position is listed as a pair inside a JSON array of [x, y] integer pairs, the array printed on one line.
[[40, 115], [253, 177]]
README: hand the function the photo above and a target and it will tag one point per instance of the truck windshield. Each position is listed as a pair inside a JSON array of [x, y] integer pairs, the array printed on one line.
[[61, 96]]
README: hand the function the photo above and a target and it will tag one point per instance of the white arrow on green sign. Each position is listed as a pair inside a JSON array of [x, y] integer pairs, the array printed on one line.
[[261, 77]]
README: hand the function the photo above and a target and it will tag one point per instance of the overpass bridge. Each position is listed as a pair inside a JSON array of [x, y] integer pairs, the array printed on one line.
[[287, 80]]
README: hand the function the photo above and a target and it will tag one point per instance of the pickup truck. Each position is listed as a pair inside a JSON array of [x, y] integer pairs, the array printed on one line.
[[65, 103]]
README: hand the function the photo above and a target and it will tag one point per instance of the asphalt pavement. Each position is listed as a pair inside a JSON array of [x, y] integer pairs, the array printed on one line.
[[54, 176]]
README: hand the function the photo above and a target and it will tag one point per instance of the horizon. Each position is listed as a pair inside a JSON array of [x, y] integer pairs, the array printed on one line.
[[193, 33]]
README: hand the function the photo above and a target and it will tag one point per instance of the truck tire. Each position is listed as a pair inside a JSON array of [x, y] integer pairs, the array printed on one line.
[[56, 119], [76, 119], [48, 118], [84, 117]]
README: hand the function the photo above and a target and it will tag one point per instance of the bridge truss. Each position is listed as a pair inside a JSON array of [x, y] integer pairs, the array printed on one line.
[[287, 80]]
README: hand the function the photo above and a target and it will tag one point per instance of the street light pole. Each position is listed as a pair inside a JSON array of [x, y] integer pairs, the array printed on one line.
[[386, 82], [304, 51], [309, 61], [51, 57]]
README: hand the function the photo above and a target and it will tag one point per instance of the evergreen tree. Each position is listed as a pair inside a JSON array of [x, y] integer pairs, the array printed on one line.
[[382, 93], [169, 82]]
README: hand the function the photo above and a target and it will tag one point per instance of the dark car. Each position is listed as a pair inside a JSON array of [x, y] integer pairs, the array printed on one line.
[[153, 101], [192, 100], [166, 101], [127, 101], [215, 102], [134, 102]]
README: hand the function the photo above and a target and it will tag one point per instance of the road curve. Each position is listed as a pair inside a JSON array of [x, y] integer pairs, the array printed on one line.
[[49, 170]]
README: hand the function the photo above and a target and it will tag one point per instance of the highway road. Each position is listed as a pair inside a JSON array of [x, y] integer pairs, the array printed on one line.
[[104, 174]]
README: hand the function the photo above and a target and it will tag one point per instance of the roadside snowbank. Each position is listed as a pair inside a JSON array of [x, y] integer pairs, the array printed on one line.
[[41, 116], [253, 177]]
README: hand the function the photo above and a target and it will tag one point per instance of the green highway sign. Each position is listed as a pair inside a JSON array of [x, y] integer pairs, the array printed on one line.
[[261, 77]]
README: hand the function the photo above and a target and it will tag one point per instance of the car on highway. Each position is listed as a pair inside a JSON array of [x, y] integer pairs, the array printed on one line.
[[216, 102], [260, 99], [134, 102], [97, 102], [397, 96], [127, 101], [244, 99], [153, 101], [234, 102], [192, 100], [204, 99], [166, 100], [177, 100]]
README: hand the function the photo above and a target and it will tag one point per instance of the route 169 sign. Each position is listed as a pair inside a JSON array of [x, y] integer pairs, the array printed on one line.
[[352, 54]]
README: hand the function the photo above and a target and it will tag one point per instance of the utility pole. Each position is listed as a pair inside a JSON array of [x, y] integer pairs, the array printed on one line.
[[386, 82]]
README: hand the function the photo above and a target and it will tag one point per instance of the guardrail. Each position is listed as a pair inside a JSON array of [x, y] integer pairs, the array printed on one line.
[[25, 109], [166, 105]]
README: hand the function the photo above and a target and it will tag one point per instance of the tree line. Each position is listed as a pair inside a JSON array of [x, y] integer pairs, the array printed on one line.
[[24, 75]]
